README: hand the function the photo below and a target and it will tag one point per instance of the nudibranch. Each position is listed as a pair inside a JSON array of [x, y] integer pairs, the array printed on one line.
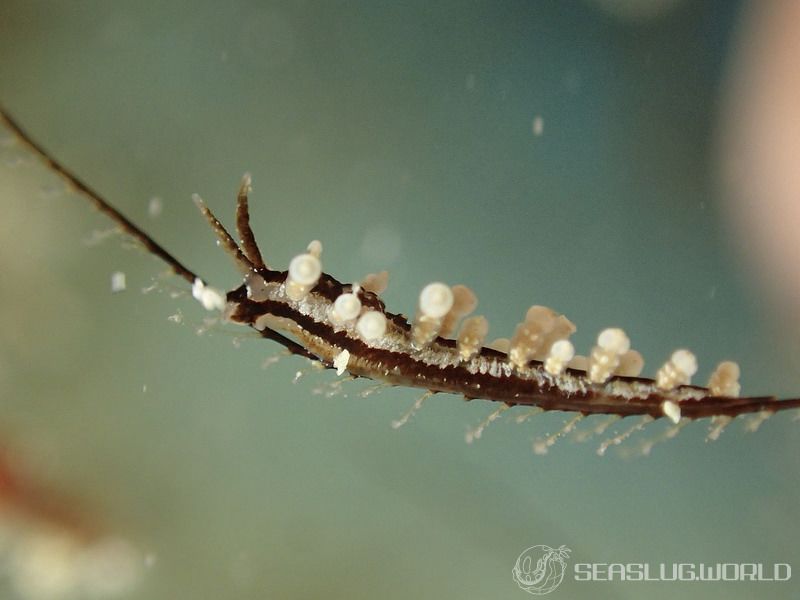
[[442, 349]]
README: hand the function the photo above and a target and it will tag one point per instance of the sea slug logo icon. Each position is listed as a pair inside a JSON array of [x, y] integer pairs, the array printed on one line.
[[540, 569]]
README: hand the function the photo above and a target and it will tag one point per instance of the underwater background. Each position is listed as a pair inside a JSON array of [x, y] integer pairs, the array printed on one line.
[[565, 154]]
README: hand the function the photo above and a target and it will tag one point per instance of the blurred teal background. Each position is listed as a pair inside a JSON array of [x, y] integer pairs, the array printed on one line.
[[402, 136]]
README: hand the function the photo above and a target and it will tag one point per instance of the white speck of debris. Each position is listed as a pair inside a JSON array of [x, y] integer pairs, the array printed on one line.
[[210, 298], [118, 282], [154, 207], [340, 362], [538, 125]]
